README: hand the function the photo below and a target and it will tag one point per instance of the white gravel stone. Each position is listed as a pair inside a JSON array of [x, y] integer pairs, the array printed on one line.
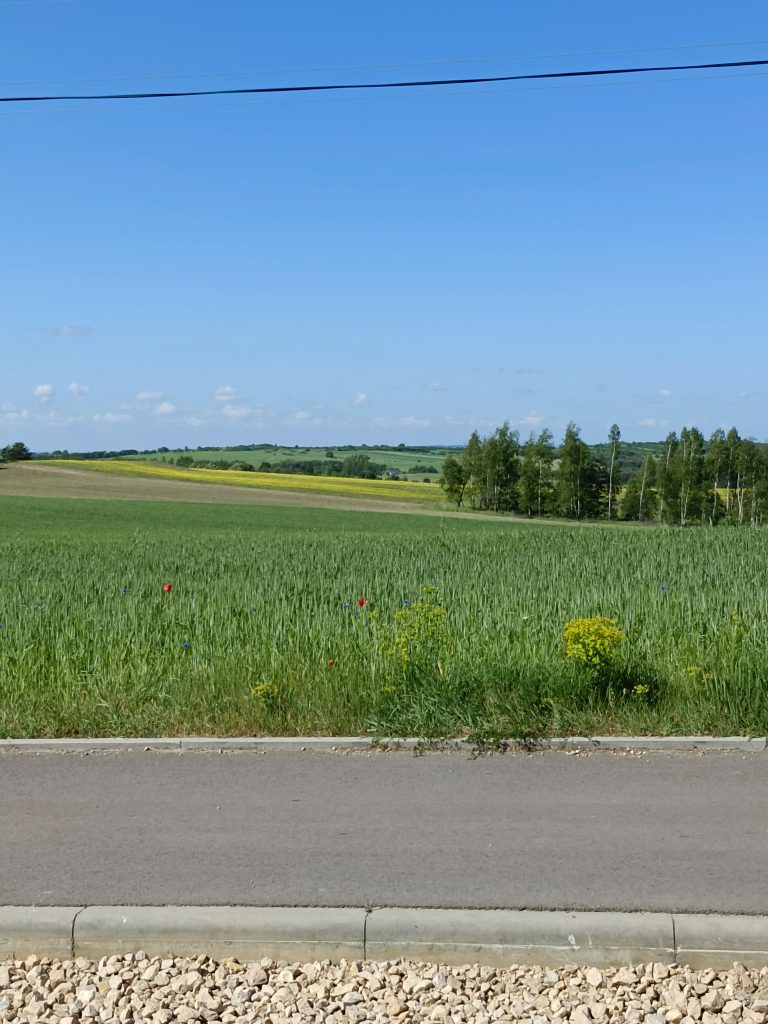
[[137, 989]]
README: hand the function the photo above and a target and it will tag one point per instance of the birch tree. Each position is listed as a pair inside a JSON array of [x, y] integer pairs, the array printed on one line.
[[614, 471]]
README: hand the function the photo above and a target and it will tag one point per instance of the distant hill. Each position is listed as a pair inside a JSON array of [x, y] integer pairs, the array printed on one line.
[[415, 461], [632, 454]]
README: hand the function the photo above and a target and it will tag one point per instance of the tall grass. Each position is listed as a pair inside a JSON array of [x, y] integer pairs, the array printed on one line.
[[91, 645]]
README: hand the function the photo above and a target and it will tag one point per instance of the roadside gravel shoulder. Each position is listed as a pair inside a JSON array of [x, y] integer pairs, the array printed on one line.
[[136, 988]]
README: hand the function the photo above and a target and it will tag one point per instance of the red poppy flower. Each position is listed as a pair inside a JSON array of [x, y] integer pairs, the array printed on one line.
[[361, 602], [167, 588]]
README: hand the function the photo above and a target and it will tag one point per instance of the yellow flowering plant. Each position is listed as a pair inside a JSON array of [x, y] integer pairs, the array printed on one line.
[[414, 645], [418, 636], [268, 694], [593, 642]]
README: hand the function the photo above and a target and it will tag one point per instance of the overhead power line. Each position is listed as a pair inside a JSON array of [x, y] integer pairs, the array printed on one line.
[[592, 73]]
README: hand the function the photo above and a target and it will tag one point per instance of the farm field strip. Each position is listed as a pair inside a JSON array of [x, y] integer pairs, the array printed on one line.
[[386, 490], [290, 620]]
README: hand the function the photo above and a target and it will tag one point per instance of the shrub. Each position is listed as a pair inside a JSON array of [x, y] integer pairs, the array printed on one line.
[[593, 642], [418, 637]]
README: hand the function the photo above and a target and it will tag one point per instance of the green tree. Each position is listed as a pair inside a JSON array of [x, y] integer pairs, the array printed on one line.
[[647, 499], [501, 470], [545, 458], [454, 479], [595, 489], [638, 500], [571, 477], [732, 442], [746, 472], [614, 471], [715, 470], [760, 488], [529, 476], [690, 458], [360, 465], [668, 482], [535, 485], [472, 461], [16, 452]]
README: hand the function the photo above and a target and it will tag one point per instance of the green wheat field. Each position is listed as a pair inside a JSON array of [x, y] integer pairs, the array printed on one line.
[[295, 620]]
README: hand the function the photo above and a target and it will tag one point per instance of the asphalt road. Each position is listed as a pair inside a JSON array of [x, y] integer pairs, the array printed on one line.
[[598, 831]]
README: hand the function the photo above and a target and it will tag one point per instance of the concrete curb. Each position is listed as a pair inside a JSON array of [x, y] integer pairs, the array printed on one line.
[[502, 937], [310, 743], [42, 931], [247, 933], [492, 937]]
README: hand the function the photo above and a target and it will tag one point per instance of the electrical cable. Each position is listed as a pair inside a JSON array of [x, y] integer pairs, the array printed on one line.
[[504, 90], [385, 85]]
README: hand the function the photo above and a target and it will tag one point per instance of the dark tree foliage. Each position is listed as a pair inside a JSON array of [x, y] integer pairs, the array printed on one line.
[[16, 452], [683, 481]]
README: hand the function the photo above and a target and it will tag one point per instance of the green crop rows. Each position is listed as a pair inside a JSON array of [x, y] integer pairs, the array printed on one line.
[[313, 621]]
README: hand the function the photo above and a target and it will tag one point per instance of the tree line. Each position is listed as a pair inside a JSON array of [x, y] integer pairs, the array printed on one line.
[[356, 465], [691, 481]]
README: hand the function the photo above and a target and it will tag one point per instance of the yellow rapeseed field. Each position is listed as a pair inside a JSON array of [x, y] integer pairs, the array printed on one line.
[[392, 490]]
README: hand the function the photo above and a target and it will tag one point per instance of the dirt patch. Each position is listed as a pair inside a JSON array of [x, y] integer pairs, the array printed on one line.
[[31, 480]]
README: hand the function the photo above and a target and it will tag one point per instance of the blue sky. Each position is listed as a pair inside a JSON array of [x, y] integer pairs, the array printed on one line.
[[388, 267]]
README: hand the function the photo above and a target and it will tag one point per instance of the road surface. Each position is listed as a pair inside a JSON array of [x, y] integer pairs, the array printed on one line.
[[658, 831]]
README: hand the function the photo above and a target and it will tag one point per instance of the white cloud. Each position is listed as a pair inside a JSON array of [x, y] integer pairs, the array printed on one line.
[[165, 409], [407, 422], [53, 418], [472, 422], [361, 398], [531, 420], [665, 392], [79, 389], [13, 415], [225, 394], [149, 396], [72, 330], [301, 415], [43, 391], [651, 423], [433, 385], [110, 417], [235, 412]]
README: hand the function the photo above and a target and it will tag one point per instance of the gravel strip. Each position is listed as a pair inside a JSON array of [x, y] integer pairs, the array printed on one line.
[[134, 988]]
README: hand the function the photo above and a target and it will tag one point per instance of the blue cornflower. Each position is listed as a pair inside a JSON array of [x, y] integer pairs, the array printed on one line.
[[185, 643], [345, 605], [406, 601], [193, 597], [662, 587], [125, 590]]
